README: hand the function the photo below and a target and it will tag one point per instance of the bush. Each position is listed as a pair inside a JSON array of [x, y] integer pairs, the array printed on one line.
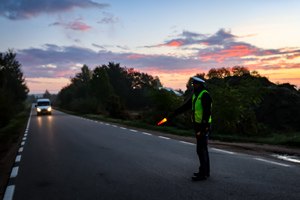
[[116, 108]]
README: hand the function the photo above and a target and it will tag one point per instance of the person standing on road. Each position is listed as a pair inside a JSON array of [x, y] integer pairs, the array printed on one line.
[[201, 104]]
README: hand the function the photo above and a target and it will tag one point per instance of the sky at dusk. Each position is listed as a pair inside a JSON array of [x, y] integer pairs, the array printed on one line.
[[171, 39]]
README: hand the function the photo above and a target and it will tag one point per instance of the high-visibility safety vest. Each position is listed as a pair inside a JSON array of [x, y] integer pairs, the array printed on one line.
[[197, 108]]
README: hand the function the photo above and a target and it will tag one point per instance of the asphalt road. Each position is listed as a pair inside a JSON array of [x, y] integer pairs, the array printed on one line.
[[67, 157]]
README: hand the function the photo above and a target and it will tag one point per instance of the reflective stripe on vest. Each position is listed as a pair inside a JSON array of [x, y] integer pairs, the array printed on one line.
[[198, 109]]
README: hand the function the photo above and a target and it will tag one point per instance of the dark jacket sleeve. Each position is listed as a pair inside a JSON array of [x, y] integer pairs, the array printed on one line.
[[186, 106], [206, 104]]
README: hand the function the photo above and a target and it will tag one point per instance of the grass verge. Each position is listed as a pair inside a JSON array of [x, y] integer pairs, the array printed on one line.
[[11, 133], [10, 137], [292, 139]]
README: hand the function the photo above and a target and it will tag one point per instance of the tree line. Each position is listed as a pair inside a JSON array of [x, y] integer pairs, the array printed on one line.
[[13, 90], [244, 102]]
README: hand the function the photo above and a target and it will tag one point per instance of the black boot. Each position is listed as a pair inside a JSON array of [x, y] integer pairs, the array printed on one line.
[[199, 174], [199, 178]]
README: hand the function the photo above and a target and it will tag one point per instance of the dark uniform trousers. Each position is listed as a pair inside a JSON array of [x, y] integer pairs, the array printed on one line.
[[202, 150]]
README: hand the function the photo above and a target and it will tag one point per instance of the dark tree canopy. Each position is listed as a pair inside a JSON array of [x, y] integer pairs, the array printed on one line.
[[13, 90]]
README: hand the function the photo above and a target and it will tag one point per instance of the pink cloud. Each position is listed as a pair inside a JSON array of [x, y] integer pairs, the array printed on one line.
[[64, 73], [79, 26], [285, 50], [293, 56], [172, 44], [158, 70], [136, 56], [234, 51]]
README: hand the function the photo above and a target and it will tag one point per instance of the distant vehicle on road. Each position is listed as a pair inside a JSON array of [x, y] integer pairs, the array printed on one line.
[[43, 106]]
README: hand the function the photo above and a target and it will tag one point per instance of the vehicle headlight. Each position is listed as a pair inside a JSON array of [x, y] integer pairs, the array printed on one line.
[[38, 109], [49, 109]]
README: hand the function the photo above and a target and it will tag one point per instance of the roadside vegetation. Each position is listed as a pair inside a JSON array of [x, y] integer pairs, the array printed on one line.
[[10, 134], [247, 107], [13, 93]]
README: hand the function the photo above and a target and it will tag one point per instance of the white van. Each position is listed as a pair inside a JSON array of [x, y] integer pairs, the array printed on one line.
[[43, 106]]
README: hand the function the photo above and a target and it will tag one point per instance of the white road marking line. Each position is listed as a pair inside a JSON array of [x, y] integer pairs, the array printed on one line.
[[20, 149], [164, 137], [186, 143], [146, 133], [14, 172], [123, 128], [27, 127], [24, 138], [26, 131], [18, 158], [132, 130], [9, 192], [23, 143], [107, 124], [25, 134], [287, 158], [275, 163], [114, 125], [229, 152]]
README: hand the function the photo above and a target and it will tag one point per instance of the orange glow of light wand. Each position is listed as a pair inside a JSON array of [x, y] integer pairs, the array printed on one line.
[[162, 121]]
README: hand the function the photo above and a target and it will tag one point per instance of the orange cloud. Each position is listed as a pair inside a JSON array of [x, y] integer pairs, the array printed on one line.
[[293, 56], [205, 43], [234, 51], [175, 43], [286, 50], [172, 44]]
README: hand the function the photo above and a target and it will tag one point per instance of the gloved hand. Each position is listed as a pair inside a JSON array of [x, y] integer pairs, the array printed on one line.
[[204, 126], [203, 129]]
